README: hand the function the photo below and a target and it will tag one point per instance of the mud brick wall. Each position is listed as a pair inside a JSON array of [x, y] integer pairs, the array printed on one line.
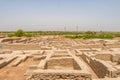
[[39, 57], [108, 79], [3, 63], [5, 51], [106, 57], [59, 76], [76, 65], [21, 46], [7, 61], [113, 45], [115, 57], [100, 67]]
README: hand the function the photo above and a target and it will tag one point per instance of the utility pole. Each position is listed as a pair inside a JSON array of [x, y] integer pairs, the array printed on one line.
[[76, 31], [65, 29], [76, 28]]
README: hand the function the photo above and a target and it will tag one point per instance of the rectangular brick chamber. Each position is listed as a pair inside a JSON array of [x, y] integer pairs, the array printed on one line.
[[60, 54], [62, 63], [60, 68]]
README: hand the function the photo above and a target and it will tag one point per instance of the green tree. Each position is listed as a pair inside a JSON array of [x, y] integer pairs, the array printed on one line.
[[19, 33]]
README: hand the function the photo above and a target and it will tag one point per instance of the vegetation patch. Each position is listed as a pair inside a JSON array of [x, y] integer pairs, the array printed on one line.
[[93, 35], [20, 33]]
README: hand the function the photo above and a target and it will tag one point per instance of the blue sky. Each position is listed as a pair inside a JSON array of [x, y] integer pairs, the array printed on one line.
[[52, 15]]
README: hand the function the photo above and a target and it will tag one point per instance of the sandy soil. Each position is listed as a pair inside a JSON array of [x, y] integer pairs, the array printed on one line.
[[16, 73]]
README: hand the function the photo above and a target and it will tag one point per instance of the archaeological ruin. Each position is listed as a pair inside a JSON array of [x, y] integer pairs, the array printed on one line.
[[59, 58]]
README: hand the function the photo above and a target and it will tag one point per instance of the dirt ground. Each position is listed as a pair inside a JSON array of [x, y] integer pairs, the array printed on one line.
[[16, 73]]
